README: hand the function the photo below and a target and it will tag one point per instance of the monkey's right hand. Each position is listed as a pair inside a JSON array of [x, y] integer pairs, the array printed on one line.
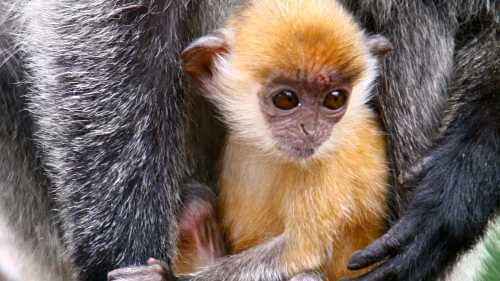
[[155, 271]]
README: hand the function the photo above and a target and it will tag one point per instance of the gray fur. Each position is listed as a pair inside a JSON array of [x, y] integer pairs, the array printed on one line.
[[411, 99], [30, 239], [261, 263], [102, 100], [456, 190], [106, 113], [96, 85], [413, 90]]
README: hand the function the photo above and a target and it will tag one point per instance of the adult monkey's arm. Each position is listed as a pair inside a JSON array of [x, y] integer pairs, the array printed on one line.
[[456, 188], [108, 111]]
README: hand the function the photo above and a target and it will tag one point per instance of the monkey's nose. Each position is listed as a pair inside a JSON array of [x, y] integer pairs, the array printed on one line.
[[308, 128]]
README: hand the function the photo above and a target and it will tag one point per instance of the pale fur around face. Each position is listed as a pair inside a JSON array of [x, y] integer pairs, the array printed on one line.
[[237, 97], [238, 100]]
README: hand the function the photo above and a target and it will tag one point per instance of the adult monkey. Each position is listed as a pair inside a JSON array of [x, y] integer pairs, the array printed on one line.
[[106, 106]]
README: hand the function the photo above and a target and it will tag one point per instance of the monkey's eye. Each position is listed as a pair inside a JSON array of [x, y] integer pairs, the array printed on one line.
[[335, 100], [286, 100]]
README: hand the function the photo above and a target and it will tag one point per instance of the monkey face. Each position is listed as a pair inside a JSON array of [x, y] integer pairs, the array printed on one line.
[[292, 103], [302, 113]]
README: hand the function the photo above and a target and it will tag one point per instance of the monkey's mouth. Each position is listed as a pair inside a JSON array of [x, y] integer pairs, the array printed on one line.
[[298, 152], [299, 148]]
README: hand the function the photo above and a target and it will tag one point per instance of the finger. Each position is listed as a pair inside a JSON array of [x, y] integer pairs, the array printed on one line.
[[161, 268], [402, 266], [385, 272], [133, 273], [375, 252], [385, 246], [162, 264]]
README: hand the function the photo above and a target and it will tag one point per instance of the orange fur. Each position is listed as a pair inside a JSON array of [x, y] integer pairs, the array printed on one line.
[[333, 204], [296, 36], [327, 206]]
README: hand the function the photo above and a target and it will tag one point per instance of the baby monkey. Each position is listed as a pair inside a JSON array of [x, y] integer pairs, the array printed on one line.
[[304, 174]]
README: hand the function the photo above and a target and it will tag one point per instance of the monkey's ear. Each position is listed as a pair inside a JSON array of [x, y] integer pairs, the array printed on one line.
[[378, 45], [198, 57]]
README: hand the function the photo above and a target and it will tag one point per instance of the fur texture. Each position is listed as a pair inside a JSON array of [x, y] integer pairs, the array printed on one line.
[[108, 124], [30, 244], [94, 62], [101, 81]]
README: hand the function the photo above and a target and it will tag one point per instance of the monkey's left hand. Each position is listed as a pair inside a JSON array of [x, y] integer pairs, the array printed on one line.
[[405, 248], [416, 245], [399, 245], [422, 240]]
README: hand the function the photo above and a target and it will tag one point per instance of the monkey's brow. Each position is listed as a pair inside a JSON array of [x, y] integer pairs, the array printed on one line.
[[319, 80]]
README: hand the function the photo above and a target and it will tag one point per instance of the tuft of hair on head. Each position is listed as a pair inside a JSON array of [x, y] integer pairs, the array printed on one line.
[[298, 37]]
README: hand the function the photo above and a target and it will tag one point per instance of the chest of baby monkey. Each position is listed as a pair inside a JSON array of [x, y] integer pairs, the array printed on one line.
[[335, 204]]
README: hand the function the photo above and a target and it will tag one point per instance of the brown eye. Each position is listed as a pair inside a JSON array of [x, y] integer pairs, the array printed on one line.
[[286, 100], [335, 99]]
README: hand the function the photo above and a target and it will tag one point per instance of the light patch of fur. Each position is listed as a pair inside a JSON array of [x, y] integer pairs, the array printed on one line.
[[237, 98], [30, 249], [20, 262], [9, 254], [468, 266]]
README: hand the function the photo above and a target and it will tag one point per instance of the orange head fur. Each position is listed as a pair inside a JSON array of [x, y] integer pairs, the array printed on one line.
[[305, 37], [312, 41]]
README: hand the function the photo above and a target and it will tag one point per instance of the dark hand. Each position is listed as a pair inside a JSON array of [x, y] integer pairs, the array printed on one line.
[[403, 246], [398, 245], [449, 211], [415, 245]]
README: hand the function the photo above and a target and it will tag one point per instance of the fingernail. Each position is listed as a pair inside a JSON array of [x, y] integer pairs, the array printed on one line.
[[353, 266]]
